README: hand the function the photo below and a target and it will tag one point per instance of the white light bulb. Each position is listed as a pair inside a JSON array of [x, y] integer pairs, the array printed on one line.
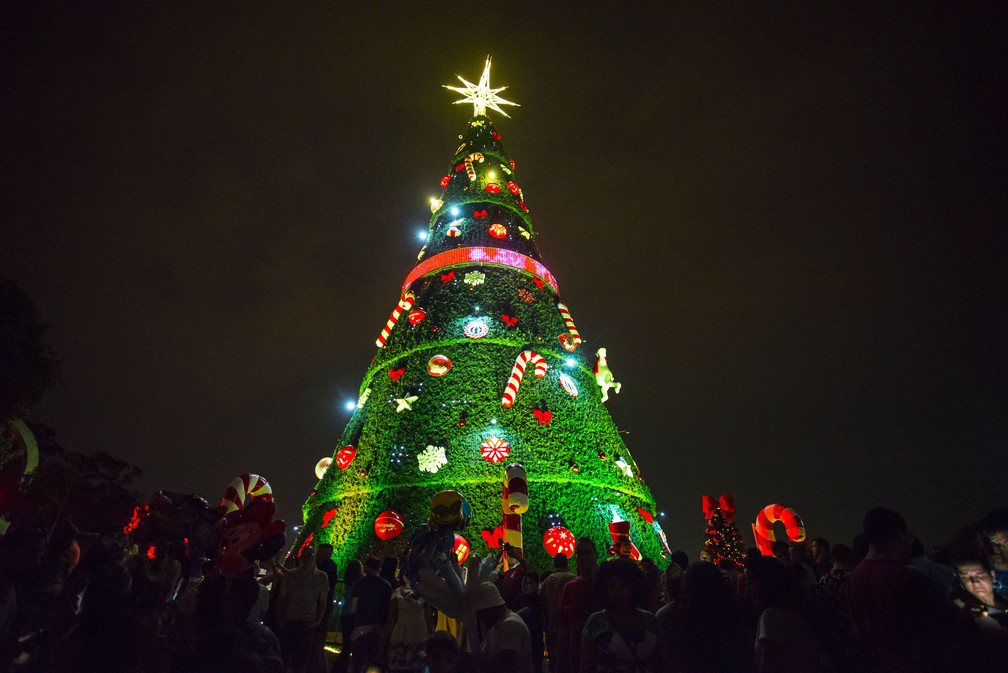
[[454, 211], [350, 406], [492, 174], [571, 362], [422, 235]]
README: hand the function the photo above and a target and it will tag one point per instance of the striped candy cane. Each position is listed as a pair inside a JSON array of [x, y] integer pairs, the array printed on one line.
[[470, 171], [763, 528], [243, 489], [405, 304], [518, 371], [569, 321], [515, 503]]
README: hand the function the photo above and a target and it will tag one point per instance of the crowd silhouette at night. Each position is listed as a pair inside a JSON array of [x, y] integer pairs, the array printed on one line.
[[72, 601]]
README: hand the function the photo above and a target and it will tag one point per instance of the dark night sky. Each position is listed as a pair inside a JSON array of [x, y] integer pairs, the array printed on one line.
[[786, 225]]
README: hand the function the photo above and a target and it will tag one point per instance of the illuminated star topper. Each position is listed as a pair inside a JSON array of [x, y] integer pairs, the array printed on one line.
[[481, 95]]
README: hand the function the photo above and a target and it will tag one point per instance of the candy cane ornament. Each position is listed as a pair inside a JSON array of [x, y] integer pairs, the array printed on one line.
[[244, 489], [763, 528], [518, 371], [470, 171], [516, 502], [405, 304], [569, 321]]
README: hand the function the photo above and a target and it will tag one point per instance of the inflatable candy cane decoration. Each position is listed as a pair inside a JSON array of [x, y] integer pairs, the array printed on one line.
[[243, 489], [516, 503], [405, 304], [518, 371], [763, 528], [470, 171], [575, 337]]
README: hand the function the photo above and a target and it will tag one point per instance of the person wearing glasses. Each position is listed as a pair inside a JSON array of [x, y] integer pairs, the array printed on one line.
[[995, 528]]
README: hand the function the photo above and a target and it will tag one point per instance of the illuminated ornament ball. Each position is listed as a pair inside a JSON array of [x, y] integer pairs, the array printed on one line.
[[567, 383], [416, 316], [567, 342], [439, 365], [388, 524], [495, 449], [345, 456], [461, 548], [497, 230], [322, 466], [525, 295], [476, 329], [493, 188], [559, 540]]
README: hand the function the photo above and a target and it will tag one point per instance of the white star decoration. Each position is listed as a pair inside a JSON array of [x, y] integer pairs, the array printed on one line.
[[406, 403], [625, 467], [481, 95]]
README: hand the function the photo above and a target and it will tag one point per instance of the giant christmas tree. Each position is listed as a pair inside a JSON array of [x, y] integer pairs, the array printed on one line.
[[480, 365]]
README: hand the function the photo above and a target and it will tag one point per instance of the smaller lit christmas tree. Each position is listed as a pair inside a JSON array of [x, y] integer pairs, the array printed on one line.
[[722, 538]]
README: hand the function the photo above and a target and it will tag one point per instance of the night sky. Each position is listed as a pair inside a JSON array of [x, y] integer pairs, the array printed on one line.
[[786, 225]]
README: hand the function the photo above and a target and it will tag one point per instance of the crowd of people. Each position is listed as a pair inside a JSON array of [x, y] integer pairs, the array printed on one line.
[[882, 603]]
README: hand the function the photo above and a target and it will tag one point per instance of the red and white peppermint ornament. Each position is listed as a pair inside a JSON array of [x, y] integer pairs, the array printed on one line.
[[417, 315], [567, 383], [495, 449], [497, 230], [493, 188]]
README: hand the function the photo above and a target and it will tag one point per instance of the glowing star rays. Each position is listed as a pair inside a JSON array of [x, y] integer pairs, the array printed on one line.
[[481, 95], [432, 459], [405, 403]]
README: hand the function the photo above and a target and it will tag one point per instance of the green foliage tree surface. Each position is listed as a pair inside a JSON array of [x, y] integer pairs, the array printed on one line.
[[473, 276]]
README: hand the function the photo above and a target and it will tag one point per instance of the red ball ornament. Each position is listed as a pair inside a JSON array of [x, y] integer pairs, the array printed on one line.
[[493, 188], [559, 540], [345, 456], [416, 316], [445, 180], [388, 524], [461, 548], [497, 230], [439, 365]]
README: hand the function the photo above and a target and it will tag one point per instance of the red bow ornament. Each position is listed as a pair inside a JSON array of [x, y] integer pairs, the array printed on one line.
[[726, 504]]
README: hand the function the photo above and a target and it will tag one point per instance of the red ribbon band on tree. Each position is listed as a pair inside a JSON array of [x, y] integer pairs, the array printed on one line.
[[481, 255], [726, 505], [763, 528]]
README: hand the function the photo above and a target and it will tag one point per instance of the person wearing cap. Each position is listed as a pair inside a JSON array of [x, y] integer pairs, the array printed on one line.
[[506, 646]]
